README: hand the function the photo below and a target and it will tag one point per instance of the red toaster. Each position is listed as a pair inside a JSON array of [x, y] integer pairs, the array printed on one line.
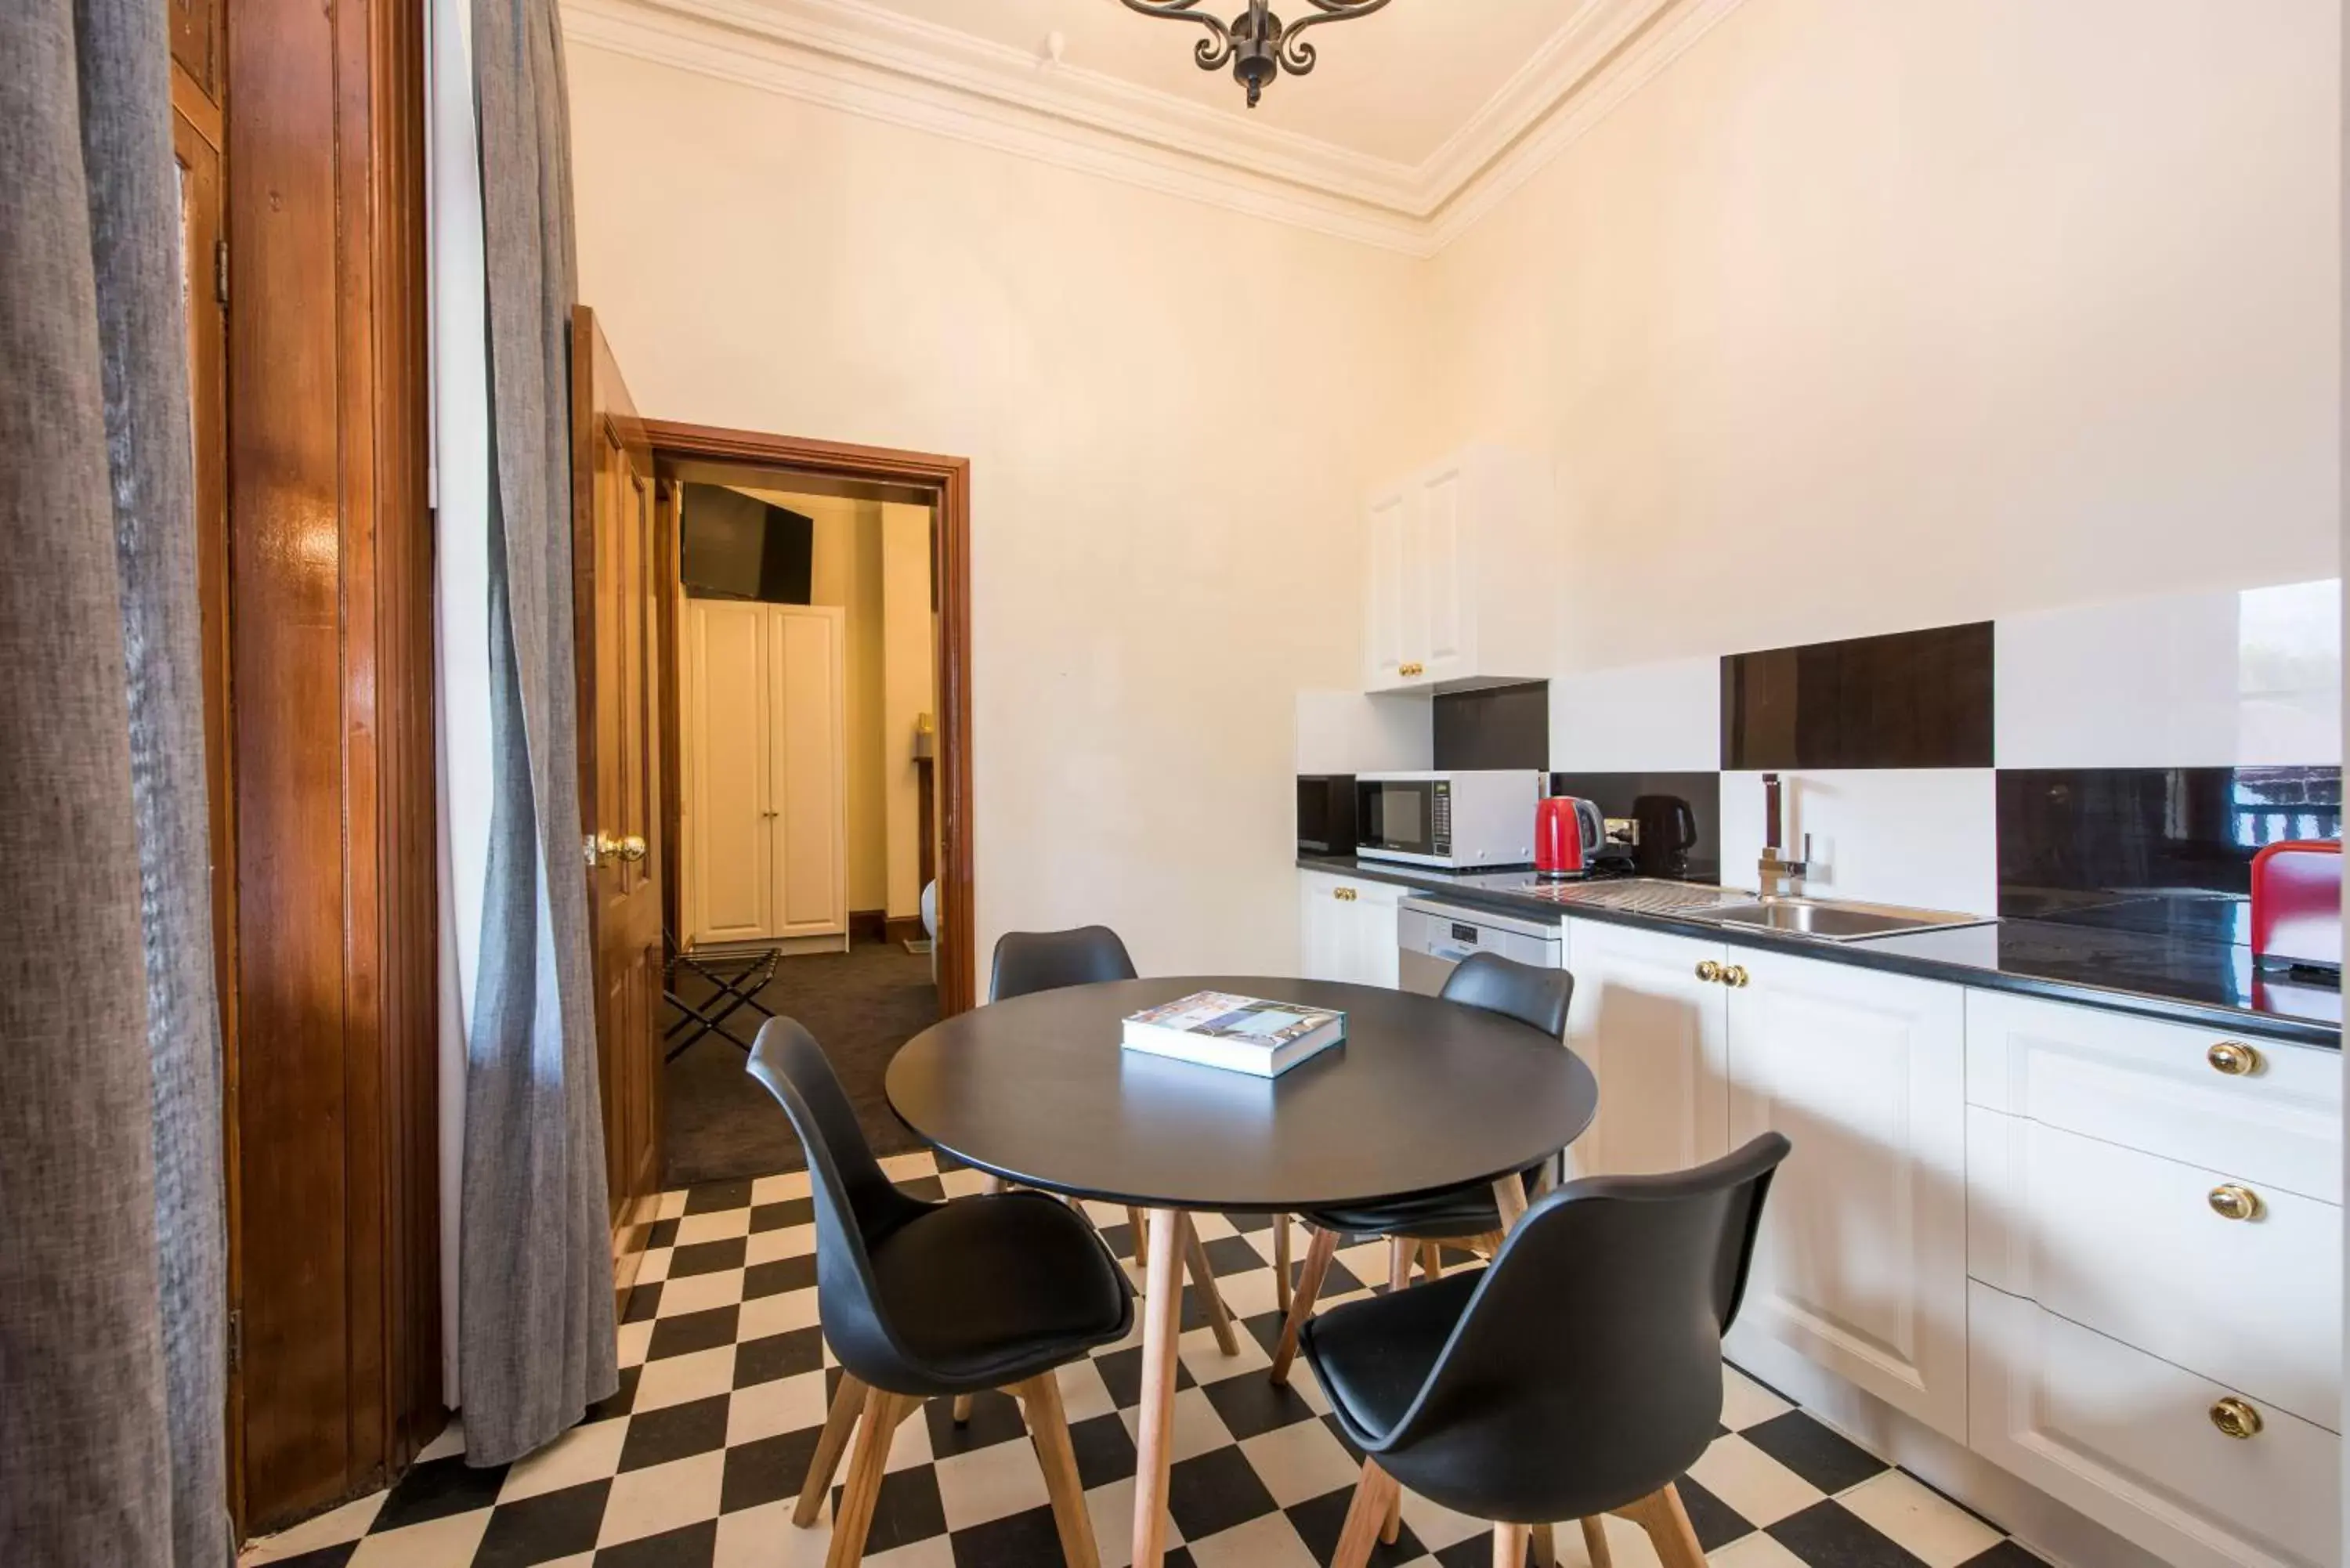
[[2297, 905]]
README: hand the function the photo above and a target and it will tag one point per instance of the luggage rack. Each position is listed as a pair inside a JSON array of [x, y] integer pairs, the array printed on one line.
[[737, 976]]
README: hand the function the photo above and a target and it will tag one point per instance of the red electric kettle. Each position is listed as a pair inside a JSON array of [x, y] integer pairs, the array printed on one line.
[[1567, 833]]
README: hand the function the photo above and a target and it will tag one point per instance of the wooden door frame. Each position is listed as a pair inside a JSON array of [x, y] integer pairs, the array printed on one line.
[[948, 479]]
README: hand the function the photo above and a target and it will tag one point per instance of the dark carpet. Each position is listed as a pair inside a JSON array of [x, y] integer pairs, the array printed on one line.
[[861, 1005]]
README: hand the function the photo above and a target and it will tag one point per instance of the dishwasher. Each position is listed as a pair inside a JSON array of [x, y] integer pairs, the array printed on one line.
[[1434, 936]]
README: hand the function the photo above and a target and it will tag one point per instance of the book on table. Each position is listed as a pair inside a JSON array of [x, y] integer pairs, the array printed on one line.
[[1238, 1034]]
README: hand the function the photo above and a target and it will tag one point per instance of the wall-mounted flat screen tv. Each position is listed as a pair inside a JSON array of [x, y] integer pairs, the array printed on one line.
[[737, 546]]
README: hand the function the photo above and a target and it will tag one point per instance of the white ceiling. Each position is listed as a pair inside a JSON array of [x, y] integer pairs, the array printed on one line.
[[1416, 119], [1394, 84]]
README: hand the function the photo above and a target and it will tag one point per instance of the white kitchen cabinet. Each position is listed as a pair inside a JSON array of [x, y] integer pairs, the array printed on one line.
[[1459, 590], [1346, 928], [1861, 1262], [2138, 1444], [1652, 1027]]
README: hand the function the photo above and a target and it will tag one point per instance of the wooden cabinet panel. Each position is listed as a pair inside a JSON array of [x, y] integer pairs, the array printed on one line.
[[2129, 1440], [1861, 1264], [807, 744], [2129, 1244], [1654, 1033]]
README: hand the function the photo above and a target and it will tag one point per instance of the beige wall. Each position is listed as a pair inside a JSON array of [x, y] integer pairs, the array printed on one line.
[[1873, 316], [1172, 412]]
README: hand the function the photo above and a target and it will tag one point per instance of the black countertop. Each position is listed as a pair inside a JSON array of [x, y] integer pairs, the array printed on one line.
[[2178, 977]]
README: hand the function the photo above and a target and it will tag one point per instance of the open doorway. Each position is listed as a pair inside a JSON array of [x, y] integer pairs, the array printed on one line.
[[815, 748]]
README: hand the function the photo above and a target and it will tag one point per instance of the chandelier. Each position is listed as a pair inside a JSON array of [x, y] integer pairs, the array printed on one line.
[[1256, 42]]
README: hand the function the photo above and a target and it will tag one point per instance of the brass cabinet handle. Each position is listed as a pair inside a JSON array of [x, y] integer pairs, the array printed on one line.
[[1706, 970], [2233, 1057], [1415, 668], [1343, 894], [1735, 975], [2235, 1417], [2232, 1201]]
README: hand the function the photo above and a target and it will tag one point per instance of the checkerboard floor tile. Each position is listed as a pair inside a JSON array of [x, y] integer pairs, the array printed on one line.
[[725, 1379]]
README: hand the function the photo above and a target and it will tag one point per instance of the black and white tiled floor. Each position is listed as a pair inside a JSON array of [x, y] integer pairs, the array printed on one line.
[[696, 1461]]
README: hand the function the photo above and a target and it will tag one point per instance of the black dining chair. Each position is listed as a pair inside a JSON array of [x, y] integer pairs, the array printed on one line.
[[1576, 1376], [1027, 962], [922, 1301], [1468, 1217]]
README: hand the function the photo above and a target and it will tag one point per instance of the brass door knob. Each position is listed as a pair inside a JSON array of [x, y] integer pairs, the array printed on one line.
[[2234, 1202], [2234, 1058], [1735, 975], [1708, 970], [2235, 1417], [629, 847]]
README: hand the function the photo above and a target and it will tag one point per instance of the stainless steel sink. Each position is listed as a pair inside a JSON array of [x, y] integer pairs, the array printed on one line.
[[1831, 921]]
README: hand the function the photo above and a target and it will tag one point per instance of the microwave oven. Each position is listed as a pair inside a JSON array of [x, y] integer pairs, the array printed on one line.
[[1458, 821], [1325, 814]]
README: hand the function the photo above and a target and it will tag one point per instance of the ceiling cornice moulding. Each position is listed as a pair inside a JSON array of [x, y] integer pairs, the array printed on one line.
[[854, 56]]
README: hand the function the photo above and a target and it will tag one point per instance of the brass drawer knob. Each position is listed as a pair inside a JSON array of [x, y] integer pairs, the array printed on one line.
[[2234, 1202], [1735, 975], [2235, 1417], [2234, 1058], [1709, 971], [1343, 894], [1408, 670]]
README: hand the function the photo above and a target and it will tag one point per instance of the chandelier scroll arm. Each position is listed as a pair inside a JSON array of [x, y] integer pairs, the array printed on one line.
[[1212, 51], [1297, 54]]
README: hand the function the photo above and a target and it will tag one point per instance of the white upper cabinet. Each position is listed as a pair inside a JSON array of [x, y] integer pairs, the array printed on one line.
[[1861, 1264], [1459, 590]]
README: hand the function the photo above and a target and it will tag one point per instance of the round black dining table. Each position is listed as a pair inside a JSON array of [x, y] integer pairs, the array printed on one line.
[[1423, 1095]]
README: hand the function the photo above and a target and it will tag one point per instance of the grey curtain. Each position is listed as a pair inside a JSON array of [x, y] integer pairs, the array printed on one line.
[[537, 1333], [111, 1233]]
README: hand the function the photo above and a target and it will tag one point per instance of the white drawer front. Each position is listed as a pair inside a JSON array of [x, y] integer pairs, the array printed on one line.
[[2128, 1439], [2152, 1086], [2129, 1244]]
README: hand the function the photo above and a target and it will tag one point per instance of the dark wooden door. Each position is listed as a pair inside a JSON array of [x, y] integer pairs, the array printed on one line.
[[615, 578]]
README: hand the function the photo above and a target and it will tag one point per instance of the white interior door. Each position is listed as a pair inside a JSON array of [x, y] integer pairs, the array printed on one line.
[[729, 827], [807, 753]]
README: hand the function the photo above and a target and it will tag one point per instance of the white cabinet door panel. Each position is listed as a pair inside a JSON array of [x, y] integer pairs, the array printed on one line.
[[809, 752], [1861, 1262], [1446, 584], [2128, 1439], [730, 835], [1371, 922], [1384, 652], [2128, 1244], [1652, 1032], [2151, 1086]]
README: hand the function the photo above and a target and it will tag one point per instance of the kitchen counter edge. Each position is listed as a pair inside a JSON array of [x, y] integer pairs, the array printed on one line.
[[2146, 1004]]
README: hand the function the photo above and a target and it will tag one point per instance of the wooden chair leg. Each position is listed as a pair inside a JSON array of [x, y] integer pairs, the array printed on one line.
[[1545, 1547], [1432, 1262], [1660, 1514], [1320, 1248], [848, 1405], [865, 1467], [1391, 1527], [1048, 1432], [1281, 1281], [1510, 1546], [1203, 1280], [1365, 1516], [1595, 1543], [1400, 1257]]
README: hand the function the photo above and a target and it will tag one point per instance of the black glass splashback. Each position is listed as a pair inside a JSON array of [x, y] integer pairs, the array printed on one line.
[[2151, 849], [1501, 727], [1911, 699], [1677, 817]]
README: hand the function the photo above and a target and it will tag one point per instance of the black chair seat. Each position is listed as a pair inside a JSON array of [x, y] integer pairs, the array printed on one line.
[[1374, 1356], [1453, 1214], [988, 1291]]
